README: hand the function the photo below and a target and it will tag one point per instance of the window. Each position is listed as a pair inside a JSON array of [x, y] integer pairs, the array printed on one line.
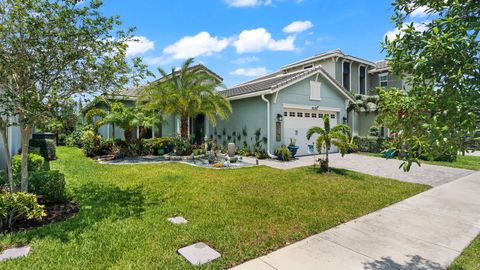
[[307, 115], [346, 75], [299, 114], [285, 114], [383, 79], [320, 115], [315, 90], [314, 115], [292, 114], [362, 80], [332, 116], [307, 67]]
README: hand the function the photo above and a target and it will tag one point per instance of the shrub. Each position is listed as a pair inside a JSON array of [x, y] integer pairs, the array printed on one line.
[[369, 144], [182, 146], [283, 153], [49, 185], [62, 139], [151, 146], [95, 145], [35, 163], [261, 154], [14, 206], [47, 147], [244, 151], [74, 139]]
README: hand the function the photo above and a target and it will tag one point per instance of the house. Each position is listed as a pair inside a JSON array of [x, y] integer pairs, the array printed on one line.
[[286, 103], [283, 105]]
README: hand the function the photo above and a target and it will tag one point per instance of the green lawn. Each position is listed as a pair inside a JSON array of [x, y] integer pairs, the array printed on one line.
[[243, 213], [470, 258], [463, 162]]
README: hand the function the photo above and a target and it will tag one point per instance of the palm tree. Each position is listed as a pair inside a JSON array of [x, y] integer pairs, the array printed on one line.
[[337, 136], [186, 92]]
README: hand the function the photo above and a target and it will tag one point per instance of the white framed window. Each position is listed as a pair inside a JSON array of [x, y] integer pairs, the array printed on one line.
[[308, 66], [307, 115], [383, 80], [320, 115], [285, 114], [314, 115], [299, 114], [292, 114], [315, 89], [332, 116], [346, 74]]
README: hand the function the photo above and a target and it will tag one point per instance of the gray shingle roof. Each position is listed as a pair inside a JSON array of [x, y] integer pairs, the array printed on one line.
[[272, 83]]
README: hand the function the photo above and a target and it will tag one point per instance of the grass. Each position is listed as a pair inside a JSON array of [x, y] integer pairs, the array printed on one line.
[[470, 258], [462, 162], [243, 213]]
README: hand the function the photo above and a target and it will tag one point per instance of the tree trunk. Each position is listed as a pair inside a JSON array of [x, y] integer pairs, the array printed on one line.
[[26, 132], [6, 151], [184, 127], [127, 133]]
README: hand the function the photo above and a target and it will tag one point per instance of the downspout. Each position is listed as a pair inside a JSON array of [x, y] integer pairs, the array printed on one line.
[[268, 127]]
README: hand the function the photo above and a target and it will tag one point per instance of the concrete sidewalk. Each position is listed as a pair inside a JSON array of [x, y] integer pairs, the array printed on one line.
[[427, 231]]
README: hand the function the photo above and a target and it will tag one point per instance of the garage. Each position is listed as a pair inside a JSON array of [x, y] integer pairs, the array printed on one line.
[[299, 119]]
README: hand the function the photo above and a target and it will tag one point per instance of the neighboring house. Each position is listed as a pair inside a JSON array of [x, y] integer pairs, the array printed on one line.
[[286, 103], [171, 125], [15, 144]]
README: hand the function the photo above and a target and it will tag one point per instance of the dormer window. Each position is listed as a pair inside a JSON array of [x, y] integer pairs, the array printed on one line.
[[307, 67], [346, 75], [362, 74]]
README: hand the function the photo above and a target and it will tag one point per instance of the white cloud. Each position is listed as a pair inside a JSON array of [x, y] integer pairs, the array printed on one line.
[[420, 12], [139, 45], [257, 40], [392, 34], [297, 27], [193, 46], [250, 72], [248, 3], [245, 60]]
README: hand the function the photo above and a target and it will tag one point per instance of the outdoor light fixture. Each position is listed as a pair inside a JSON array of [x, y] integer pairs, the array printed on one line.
[[345, 120], [279, 117]]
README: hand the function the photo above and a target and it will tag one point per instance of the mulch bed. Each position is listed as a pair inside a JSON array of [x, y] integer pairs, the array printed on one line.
[[55, 212]]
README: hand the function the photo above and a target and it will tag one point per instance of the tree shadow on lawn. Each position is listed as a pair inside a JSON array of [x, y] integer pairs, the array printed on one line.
[[97, 202]]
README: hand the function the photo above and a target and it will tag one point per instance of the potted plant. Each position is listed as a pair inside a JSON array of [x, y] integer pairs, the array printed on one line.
[[283, 153], [293, 147]]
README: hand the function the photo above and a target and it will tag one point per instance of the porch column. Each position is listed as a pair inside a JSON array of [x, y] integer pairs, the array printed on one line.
[[177, 125], [153, 129], [207, 128]]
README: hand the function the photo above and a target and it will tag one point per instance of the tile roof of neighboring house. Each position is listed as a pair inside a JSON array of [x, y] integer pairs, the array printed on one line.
[[271, 83], [380, 66]]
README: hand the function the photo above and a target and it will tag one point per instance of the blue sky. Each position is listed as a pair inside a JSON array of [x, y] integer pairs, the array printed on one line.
[[243, 39]]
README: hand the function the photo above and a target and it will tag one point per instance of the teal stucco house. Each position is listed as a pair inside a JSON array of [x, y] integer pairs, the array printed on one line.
[[285, 103]]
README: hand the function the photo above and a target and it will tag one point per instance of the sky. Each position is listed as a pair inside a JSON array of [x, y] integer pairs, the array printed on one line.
[[244, 39]]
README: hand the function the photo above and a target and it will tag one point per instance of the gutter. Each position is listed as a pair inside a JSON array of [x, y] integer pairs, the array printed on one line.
[[268, 127]]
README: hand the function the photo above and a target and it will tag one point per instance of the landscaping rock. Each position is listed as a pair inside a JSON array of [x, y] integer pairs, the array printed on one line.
[[13, 253], [178, 220], [199, 253]]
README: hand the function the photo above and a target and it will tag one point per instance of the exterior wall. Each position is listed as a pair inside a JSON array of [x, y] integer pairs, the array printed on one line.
[[250, 113], [365, 122], [393, 81]]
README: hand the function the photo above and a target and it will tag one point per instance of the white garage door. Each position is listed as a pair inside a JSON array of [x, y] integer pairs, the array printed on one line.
[[298, 121]]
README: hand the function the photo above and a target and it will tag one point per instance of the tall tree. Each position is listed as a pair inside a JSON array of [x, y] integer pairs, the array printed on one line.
[[55, 50], [186, 92], [441, 59]]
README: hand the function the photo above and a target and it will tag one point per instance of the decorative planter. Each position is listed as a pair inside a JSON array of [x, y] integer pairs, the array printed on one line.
[[161, 152], [293, 150], [389, 154]]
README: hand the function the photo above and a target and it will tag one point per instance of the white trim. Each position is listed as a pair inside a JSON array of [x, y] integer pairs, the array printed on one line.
[[310, 107], [268, 127], [319, 89], [254, 94], [380, 75], [365, 80]]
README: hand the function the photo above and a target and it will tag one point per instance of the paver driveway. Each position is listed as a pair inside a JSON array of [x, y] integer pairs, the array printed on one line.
[[426, 231], [426, 174]]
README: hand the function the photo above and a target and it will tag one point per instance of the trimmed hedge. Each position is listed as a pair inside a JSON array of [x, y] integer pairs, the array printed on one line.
[[49, 185], [369, 144], [35, 163], [47, 148]]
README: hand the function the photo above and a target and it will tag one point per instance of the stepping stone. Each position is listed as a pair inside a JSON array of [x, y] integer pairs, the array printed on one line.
[[13, 253], [178, 220], [199, 253]]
